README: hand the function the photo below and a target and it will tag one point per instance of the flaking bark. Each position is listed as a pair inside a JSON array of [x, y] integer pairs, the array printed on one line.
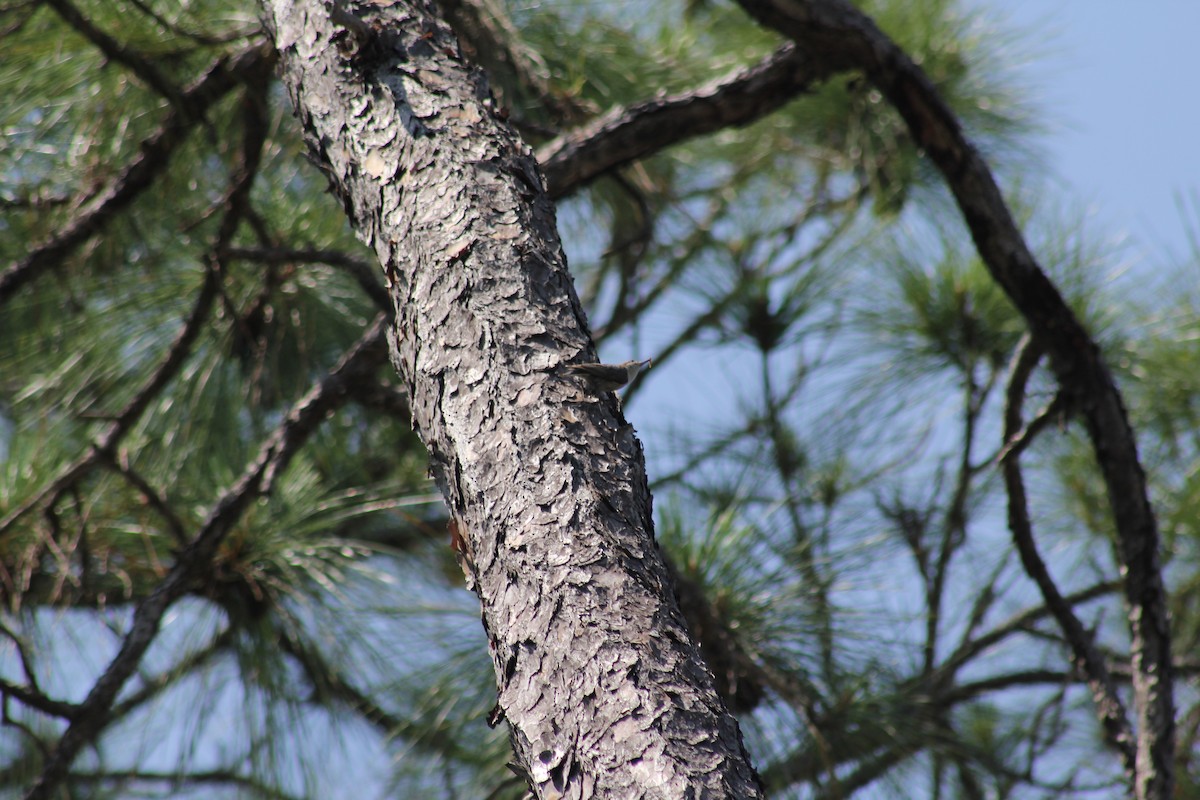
[[603, 690]]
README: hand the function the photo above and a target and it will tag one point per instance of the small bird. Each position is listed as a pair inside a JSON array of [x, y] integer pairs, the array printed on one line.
[[608, 377]]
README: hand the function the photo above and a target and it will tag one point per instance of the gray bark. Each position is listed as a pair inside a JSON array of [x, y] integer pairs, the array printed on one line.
[[604, 692]]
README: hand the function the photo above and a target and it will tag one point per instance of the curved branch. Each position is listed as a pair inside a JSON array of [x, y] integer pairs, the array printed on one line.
[[836, 30], [954, 525], [153, 686], [1038, 677], [626, 134], [33, 698], [200, 38], [842, 746], [236, 204], [176, 781], [1088, 659]]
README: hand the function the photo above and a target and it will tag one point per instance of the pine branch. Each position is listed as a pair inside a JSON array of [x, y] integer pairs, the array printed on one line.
[[95, 712], [105, 448], [841, 747], [626, 134], [1109, 706], [236, 203], [117, 51], [200, 38], [153, 687], [1015, 624], [835, 30], [1053, 677], [137, 176], [35, 699], [182, 780], [152, 497]]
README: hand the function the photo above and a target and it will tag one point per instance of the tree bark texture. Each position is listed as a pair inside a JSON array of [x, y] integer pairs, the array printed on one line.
[[603, 690]]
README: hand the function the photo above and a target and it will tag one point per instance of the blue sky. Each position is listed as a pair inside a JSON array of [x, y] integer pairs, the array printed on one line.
[[1118, 80]]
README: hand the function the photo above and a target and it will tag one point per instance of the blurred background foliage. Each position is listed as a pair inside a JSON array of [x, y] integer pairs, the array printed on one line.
[[821, 420]]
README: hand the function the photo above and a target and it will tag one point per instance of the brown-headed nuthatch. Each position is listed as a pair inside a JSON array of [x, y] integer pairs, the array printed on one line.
[[608, 377]]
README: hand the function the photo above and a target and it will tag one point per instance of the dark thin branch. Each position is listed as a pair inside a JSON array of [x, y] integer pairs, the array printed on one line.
[[985, 598], [23, 647], [360, 362], [8, 721], [869, 771], [954, 525], [998, 683], [328, 683], [714, 448], [247, 327], [116, 51], [1037, 677], [152, 687], [178, 780], [836, 30], [105, 448], [35, 699], [151, 495], [718, 306], [844, 746], [626, 134], [696, 242], [1109, 707], [253, 110], [1019, 622], [1021, 439], [804, 553], [629, 247], [95, 712], [170, 366], [153, 157]]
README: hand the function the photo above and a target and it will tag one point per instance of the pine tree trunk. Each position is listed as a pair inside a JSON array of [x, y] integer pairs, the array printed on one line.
[[603, 689]]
